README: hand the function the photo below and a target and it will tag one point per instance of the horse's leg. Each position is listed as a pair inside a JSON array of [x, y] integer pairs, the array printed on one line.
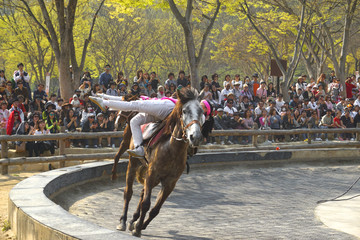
[[125, 143], [137, 212], [145, 205], [130, 178], [162, 196]]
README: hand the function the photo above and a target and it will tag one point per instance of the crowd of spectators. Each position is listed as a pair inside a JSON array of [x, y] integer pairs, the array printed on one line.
[[238, 104]]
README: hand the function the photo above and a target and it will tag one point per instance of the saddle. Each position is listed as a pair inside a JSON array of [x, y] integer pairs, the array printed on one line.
[[152, 132]]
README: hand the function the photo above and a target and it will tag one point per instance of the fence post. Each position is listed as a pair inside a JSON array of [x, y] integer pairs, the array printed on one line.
[[254, 137], [62, 146], [4, 154], [357, 134], [309, 134]]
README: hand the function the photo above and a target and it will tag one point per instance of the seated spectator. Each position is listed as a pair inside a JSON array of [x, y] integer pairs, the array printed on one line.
[[172, 88], [41, 146], [248, 123], [86, 112], [122, 90], [303, 123], [221, 122], [21, 90], [229, 109], [76, 103], [289, 122], [261, 91], [41, 93], [338, 124], [275, 122], [326, 122], [170, 80], [112, 90], [225, 92], [9, 92], [71, 122], [13, 122], [279, 102], [244, 104], [87, 81], [135, 90], [204, 80], [22, 106], [206, 94], [90, 125], [348, 122], [48, 108], [121, 80], [37, 105], [15, 107], [154, 81], [25, 129], [314, 123], [182, 80], [34, 119], [4, 115], [215, 97], [96, 89], [264, 121], [149, 91], [52, 124]]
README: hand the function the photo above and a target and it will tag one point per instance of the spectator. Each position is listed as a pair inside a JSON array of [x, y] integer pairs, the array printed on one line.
[[103, 127], [86, 80], [271, 91], [314, 123], [149, 90], [289, 122], [255, 84], [2, 77], [84, 88], [279, 102], [248, 123], [237, 91], [122, 90], [41, 146], [13, 122], [349, 87], [9, 91], [15, 107], [86, 112], [237, 81], [303, 123], [229, 109], [321, 81], [182, 80], [221, 123], [34, 119], [204, 81], [308, 93], [348, 122], [335, 88], [21, 90], [300, 84], [90, 125], [21, 75], [264, 121], [76, 103], [37, 105], [105, 78], [71, 121], [96, 89], [227, 80], [261, 91], [52, 124], [160, 92], [4, 115], [154, 81], [246, 92], [112, 90], [215, 81], [135, 90], [244, 104], [25, 129], [64, 112], [170, 80], [40, 92], [53, 100], [332, 76], [48, 108], [215, 96], [326, 122], [121, 80]]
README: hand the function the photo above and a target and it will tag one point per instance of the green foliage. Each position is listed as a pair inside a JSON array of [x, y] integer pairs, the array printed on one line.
[[6, 226]]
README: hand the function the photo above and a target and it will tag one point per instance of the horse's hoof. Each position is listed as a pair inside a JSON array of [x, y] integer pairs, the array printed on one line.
[[121, 227], [136, 234], [132, 226]]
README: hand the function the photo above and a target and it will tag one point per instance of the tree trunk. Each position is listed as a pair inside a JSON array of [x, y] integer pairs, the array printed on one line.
[[284, 90], [65, 83], [189, 39]]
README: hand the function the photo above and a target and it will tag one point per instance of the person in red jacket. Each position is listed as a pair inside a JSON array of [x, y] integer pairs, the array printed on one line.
[[349, 87]]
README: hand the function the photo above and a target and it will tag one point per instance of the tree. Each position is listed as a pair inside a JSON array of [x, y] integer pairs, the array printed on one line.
[[59, 32]]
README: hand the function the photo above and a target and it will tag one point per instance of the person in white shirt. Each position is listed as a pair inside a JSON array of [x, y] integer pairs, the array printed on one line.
[[228, 81], [225, 92], [357, 101], [279, 102], [237, 81], [229, 109]]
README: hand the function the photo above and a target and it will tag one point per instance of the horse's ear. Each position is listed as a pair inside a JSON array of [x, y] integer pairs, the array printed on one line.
[[180, 95]]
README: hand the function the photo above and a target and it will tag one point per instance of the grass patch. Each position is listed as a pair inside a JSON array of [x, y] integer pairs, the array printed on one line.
[[6, 226]]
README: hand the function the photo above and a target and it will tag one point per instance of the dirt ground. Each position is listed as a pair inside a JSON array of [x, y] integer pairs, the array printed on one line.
[[6, 183]]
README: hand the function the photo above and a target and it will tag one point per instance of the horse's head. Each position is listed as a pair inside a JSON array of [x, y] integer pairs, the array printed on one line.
[[192, 116]]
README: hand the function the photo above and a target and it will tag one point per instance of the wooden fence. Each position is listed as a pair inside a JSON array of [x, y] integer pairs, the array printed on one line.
[[62, 137]]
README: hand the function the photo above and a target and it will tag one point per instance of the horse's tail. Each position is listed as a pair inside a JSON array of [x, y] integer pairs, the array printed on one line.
[[140, 174]]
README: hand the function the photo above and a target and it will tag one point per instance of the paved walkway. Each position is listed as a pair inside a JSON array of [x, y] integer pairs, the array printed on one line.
[[227, 202]]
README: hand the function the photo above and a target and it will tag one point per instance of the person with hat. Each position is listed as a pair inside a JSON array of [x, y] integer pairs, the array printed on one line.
[[300, 84], [20, 74], [230, 109], [237, 90], [160, 91], [221, 122], [48, 108], [34, 118], [40, 92], [122, 90], [105, 78], [238, 81]]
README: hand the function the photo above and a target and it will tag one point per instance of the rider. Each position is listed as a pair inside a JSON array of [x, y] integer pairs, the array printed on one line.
[[150, 110]]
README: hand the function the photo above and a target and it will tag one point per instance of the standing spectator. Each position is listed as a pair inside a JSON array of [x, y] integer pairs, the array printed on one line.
[[90, 125], [321, 82], [170, 80], [349, 87], [13, 122], [182, 80], [20, 74], [105, 78], [335, 88], [112, 90], [84, 88], [40, 92], [41, 146], [255, 84]]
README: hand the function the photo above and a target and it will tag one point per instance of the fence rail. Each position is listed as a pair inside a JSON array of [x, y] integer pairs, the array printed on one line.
[[62, 137]]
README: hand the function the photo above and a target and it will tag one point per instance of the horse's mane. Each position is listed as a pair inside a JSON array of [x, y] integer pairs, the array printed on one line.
[[184, 95]]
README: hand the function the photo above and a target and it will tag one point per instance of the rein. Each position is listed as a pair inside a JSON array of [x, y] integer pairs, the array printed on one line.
[[184, 137]]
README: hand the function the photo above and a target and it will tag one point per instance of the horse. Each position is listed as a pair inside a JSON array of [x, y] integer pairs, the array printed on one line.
[[166, 160]]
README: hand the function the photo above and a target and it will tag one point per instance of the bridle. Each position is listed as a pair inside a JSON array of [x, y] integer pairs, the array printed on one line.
[[184, 137]]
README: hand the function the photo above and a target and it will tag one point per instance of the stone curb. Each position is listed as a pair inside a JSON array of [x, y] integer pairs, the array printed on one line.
[[34, 216]]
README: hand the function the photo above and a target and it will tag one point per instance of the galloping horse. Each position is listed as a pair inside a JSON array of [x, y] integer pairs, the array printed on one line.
[[167, 160]]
